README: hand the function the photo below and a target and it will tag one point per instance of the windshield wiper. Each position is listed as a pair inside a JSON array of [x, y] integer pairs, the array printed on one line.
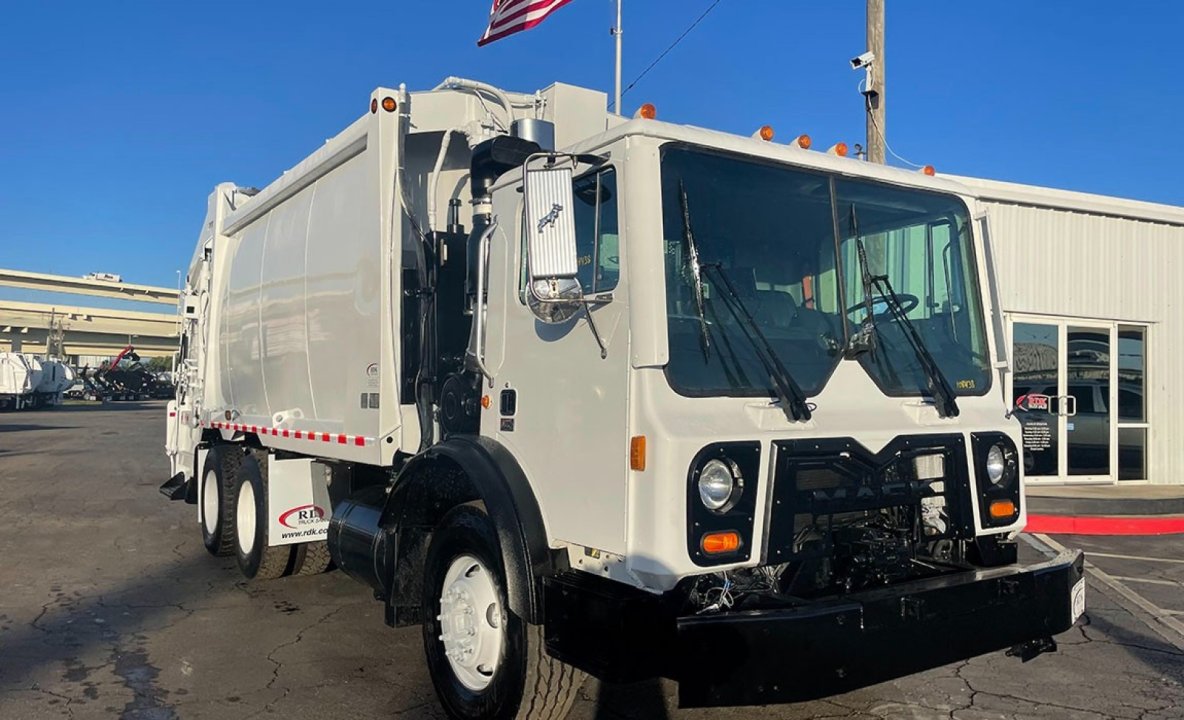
[[793, 399], [939, 387], [695, 268]]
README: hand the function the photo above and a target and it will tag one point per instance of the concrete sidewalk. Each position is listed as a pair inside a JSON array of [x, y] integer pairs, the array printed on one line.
[[1106, 499]]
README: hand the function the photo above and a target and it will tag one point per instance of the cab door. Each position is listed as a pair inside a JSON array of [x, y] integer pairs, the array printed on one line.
[[555, 402]]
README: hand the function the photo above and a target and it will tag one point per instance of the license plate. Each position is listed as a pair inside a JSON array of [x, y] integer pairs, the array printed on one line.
[[1077, 600]]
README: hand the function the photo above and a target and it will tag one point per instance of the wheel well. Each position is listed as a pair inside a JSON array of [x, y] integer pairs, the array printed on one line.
[[458, 471]]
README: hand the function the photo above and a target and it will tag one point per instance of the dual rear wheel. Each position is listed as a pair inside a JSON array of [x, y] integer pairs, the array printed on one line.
[[234, 519]]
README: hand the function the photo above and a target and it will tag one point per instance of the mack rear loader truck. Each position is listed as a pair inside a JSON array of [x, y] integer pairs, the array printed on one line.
[[586, 394]]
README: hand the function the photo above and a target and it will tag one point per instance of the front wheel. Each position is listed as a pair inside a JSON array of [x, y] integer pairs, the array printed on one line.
[[486, 663]]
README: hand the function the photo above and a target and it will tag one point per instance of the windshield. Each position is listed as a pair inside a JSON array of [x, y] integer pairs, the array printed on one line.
[[772, 229], [920, 242]]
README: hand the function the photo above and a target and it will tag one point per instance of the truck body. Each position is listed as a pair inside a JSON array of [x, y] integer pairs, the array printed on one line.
[[27, 381], [56, 378], [16, 381], [642, 395]]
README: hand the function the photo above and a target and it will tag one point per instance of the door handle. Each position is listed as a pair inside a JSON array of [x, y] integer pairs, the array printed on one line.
[[1067, 408]]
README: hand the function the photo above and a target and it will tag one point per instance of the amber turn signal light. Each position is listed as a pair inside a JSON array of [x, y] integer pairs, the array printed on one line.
[[1002, 509], [718, 543], [388, 104], [637, 453]]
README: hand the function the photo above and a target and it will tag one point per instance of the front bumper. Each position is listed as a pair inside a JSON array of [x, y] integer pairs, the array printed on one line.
[[811, 651]]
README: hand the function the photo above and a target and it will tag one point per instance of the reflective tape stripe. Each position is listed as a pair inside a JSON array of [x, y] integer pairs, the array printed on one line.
[[337, 438]]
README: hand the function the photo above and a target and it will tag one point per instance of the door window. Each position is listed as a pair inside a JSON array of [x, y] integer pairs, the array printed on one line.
[[598, 245], [1132, 407], [1036, 357]]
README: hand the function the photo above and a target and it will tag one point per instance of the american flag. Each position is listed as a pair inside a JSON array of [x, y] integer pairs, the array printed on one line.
[[507, 17]]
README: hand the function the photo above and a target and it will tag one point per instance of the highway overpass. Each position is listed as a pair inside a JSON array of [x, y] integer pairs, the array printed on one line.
[[32, 327]]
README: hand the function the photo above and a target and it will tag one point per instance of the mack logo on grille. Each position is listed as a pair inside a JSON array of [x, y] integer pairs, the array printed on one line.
[[904, 490], [302, 515]]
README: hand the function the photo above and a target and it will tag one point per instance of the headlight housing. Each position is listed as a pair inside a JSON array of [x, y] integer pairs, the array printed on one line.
[[996, 464], [720, 485]]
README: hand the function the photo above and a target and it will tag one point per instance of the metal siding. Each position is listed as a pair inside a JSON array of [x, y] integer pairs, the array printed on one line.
[[1056, 261]]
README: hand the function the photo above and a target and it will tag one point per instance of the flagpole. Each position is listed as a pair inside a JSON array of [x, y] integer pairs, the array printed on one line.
[[617, 33]]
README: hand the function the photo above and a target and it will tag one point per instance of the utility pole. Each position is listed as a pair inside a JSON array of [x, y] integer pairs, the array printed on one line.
[[874, 92], [617, 37]]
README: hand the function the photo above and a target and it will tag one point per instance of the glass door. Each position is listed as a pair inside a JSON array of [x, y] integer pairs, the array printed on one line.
[[1087, 416], [1063, 396], [1035, 389]]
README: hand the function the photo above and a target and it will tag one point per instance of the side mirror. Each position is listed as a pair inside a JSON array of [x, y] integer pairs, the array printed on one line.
[[554, 293]]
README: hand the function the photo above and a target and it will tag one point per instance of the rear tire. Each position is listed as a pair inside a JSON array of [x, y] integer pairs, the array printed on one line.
[[312, 558], [256, 559], [500, 670], [219, 478]]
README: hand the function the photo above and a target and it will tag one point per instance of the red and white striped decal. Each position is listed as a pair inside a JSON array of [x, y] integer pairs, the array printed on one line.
[[334, 438]]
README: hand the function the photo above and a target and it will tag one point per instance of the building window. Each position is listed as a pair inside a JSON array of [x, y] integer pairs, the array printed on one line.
[[1133, 423]]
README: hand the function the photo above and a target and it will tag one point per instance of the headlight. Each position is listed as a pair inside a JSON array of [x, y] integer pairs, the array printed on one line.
[[720, 485], [996, 464]]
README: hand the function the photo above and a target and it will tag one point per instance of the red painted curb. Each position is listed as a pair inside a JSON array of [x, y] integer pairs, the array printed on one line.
[[1111, 525]]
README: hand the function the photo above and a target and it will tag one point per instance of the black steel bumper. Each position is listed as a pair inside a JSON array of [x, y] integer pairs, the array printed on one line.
[[807, 652]]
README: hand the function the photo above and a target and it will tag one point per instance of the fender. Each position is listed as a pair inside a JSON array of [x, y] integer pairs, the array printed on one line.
[[478, 468]]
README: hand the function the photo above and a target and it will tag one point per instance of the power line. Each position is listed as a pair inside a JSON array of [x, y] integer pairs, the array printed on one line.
[[665, 52]]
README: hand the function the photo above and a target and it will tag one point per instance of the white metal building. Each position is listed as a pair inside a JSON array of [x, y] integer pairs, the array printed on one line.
[[1093, 292]]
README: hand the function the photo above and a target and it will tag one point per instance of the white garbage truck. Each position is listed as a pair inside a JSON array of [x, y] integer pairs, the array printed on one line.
[[586, 394]]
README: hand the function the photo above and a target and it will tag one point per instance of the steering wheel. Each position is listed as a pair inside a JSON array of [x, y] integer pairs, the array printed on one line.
[[882, 305]]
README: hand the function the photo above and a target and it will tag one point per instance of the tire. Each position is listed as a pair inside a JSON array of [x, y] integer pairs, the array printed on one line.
[[256, 559], [312, 558], [219, 479], [510, 677]]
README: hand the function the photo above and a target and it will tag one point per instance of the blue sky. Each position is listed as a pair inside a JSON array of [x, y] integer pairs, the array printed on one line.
[[116, 119]]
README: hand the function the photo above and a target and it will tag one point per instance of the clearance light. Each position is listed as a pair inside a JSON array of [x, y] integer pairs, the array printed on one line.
[[373, 105], [646, 111], [764, 133], [1002, 509], [718, 543], [486, 401], [389, 104], [637, 453], [802, 141], [929, 170], [839, 148]]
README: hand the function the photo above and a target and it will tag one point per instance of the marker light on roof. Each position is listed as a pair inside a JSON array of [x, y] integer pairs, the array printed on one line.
[[929, 170], [839, 148], [802, 141], [647, 111], [764, 133]]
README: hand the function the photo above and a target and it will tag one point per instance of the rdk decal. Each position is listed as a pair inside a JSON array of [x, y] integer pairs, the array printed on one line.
[[303, 515]]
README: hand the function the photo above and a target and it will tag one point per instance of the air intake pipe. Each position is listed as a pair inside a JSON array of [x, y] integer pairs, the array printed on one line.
[[491, 159]]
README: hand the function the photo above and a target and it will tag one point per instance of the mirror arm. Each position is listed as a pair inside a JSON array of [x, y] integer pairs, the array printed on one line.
[[592, 327]]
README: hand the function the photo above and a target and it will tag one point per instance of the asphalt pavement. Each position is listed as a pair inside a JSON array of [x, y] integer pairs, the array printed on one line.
[[111, 608]]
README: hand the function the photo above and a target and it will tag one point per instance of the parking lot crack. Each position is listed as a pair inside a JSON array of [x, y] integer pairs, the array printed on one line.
[[278, 664]]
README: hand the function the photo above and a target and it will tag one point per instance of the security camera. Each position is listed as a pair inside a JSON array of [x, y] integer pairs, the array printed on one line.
[[863, 60]]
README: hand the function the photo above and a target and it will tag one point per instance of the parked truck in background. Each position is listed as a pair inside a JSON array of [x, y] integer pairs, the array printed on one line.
[[581, 394]]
